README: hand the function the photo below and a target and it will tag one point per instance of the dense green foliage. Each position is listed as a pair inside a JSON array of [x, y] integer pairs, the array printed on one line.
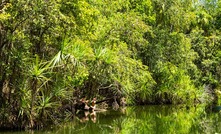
[[148, 51]]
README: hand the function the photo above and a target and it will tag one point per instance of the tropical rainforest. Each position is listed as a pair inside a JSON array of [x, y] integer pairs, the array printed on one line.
[[148, 51]]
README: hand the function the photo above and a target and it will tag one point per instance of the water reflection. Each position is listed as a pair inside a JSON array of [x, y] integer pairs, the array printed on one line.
[[145, 120], [84, 116]]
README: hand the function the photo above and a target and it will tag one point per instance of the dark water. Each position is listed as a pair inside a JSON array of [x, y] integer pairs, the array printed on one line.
[[144, 120]]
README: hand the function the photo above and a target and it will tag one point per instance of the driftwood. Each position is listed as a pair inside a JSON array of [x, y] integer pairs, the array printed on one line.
[[104, 100], [82, 105], [122, 101]]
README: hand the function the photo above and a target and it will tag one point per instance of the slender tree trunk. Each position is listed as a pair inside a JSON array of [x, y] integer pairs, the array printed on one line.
[[33, 95]]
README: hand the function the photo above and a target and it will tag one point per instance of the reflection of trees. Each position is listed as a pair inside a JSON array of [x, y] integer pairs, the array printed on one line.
[[160, 119], [149, 119], [210, 123], [85, 123]]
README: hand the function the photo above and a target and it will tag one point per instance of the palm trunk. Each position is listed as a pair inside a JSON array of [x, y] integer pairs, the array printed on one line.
[[33, 95]]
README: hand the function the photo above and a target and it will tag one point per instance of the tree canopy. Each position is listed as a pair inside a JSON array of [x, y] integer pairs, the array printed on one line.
[[148, 51]]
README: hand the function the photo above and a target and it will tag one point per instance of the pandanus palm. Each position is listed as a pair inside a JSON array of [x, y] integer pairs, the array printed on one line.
[[38, 79]]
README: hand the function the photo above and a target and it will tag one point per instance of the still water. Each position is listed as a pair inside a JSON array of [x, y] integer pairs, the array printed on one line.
[[144, 120]]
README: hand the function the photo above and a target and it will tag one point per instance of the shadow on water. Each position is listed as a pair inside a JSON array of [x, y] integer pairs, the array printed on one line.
[[167, 119]]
